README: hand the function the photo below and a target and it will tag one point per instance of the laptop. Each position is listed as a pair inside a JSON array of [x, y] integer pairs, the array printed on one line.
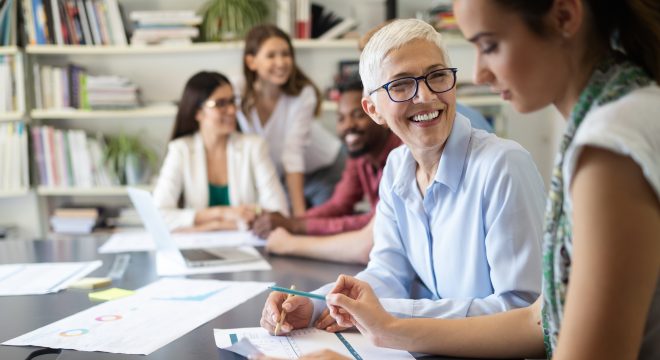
[[166, 247]]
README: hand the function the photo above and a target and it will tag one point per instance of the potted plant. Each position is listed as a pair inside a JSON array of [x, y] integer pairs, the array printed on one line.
[[231, 19], [129, 160]]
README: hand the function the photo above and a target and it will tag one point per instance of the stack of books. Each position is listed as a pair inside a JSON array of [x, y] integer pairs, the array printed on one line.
[[165, 27], [303, 20], [111, 93], [13, 157], [74, 220], [74, 22], [441, 17], [68, 158], [69, 87]]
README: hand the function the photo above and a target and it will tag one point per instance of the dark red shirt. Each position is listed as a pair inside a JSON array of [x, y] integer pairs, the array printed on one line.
[[359, 178]]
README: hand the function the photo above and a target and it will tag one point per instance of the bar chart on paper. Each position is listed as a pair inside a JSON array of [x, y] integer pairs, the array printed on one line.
[[305, 341]]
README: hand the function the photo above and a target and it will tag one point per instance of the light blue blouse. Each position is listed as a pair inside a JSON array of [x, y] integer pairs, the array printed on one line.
[[473, 242]]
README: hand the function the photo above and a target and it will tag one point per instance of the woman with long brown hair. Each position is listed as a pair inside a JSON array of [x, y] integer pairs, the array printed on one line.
[[279, 102], [224, 177]]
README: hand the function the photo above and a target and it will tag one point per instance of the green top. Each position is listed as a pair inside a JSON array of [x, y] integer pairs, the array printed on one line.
[[218, 195]]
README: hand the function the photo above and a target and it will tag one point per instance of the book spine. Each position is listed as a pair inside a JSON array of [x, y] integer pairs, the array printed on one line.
[[37, 147], [50, 177]]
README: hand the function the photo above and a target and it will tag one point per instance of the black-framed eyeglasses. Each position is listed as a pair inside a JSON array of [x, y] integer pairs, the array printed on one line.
[[406, 88], [219, 103]]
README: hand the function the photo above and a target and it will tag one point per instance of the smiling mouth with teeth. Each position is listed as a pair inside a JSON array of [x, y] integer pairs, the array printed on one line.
[[425, 117]]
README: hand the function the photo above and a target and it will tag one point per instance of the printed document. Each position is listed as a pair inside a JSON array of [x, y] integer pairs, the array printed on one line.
[[301, 342], [142, 323], [42, 278], [141, 240]]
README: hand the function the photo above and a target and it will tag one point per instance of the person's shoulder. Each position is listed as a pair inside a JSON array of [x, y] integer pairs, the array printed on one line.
[[307, 92], [636, 110], [183, 142], [487, 149], [395, 160]]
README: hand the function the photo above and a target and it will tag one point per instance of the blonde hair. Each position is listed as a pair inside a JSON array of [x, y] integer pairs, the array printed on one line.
[[392, 37]]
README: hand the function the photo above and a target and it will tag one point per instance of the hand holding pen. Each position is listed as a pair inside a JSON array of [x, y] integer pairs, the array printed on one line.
[[298, 310]]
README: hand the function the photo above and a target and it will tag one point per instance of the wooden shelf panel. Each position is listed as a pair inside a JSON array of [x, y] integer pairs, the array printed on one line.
[[14, 192], [146, 112], [480, 100], [89, 191], [11, 116], [167, 49], [8, 50]]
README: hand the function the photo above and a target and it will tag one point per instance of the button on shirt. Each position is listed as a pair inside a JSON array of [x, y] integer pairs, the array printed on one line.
[[473, 240]]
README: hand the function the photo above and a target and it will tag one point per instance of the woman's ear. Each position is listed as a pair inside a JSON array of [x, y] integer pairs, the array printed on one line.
[[369, 107], [198, 115], [249, 62], [567, 17]]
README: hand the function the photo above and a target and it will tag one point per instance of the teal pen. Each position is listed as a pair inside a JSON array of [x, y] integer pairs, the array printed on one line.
[[297, 292]]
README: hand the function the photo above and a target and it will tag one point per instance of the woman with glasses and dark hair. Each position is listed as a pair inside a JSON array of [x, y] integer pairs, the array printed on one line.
[[221, 177], [458, 225]]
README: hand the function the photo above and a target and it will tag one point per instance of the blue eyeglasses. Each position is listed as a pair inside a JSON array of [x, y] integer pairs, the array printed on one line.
[[405, 88]]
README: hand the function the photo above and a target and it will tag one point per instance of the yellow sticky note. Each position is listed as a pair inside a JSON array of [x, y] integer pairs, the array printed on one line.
[[110, 294], [91, 283]]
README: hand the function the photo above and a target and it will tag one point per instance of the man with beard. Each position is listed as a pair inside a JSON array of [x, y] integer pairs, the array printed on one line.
[[368, 145]]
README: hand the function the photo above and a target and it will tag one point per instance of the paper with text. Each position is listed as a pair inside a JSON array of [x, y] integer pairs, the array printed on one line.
[[42, 278], [304, 341], [142, 323]]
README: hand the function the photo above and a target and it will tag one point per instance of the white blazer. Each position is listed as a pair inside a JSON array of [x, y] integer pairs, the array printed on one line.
[[251, 178]]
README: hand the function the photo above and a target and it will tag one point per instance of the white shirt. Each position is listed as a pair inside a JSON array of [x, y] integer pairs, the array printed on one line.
[[296, 142], [629, 126], [251, 178]]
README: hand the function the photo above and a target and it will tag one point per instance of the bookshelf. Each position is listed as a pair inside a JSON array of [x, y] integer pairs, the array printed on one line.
[[161, 71]]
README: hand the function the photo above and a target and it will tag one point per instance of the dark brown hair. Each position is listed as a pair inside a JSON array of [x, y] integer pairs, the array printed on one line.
[[297, 80], [198, 88], [634, 23]]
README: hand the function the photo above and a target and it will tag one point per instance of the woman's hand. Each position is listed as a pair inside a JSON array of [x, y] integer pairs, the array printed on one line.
[[353, 303], [298, 311], [239, 213]]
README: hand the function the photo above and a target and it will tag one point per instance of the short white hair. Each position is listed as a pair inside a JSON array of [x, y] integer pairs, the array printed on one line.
[[392, 37]]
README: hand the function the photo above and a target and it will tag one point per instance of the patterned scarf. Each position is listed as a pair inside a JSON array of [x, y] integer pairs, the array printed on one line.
[[611, 80]]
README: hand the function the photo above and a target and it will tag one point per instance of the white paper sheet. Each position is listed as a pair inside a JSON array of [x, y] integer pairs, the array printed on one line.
[[42, 278], [142, 323], [174, 267], [141, 241], [305, 341]]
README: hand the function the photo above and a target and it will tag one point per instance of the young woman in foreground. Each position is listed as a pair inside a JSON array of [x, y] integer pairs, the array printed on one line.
[[602, 237]]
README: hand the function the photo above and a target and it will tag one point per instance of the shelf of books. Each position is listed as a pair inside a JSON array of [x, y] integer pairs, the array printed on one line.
[[87, 191]]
